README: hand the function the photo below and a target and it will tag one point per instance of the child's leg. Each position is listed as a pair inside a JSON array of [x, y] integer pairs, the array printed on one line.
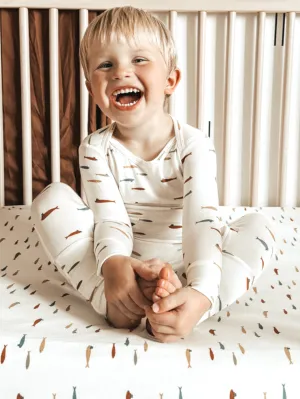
[[65, 226], [247, 250]]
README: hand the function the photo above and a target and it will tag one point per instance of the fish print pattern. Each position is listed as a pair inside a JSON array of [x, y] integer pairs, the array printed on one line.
[[22, 341], [266, 311], [188, 357], [88, 355]]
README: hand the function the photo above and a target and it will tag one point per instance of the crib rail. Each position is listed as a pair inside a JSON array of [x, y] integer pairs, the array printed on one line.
[[158, 5], [284, 197]]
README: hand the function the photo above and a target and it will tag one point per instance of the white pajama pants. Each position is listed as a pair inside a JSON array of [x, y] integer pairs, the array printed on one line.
[[248, 245]]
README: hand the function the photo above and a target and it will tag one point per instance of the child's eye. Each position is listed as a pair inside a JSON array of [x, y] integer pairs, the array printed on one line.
[[104, 65], [139, 60]]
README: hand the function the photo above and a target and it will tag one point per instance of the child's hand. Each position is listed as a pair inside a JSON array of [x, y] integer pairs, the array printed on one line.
[[178, 314], [121, 288]]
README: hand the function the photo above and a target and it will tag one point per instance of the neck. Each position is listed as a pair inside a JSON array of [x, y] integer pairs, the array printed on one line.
[[150, 130]]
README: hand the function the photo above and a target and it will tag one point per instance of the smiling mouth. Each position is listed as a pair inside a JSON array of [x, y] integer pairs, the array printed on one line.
[[126, 98]]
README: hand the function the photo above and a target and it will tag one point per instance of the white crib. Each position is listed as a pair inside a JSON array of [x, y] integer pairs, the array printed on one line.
[[241, 85]]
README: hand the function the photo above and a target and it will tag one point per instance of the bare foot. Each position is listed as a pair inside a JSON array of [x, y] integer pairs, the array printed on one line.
[[166, 280], [148, 286], [167, 283]]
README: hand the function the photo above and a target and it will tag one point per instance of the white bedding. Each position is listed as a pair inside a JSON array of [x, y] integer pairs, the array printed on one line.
[[240, 352]]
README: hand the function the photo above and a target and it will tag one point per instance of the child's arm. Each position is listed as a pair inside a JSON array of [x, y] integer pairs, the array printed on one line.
[[113, 232], [113, 238], [202, 241]]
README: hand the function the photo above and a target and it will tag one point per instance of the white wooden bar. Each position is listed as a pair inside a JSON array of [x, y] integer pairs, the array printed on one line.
[[228, 108], [172, 27], [201, 68], [159, 5], [2, 182], [285, 142], [84, 95], [54, 96], [26, 106], [257, 106]]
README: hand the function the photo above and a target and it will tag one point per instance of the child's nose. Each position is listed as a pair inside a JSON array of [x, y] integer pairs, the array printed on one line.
[[121, 72]]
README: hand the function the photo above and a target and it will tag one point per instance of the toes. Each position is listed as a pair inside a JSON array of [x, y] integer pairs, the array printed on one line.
[[155, 298], [162, 292], [166, 285], [165, 272]]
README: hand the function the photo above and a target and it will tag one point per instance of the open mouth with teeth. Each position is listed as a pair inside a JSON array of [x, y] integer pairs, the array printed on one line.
[[125, 98]]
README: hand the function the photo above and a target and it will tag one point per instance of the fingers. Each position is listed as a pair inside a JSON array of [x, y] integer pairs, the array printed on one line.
[[165, 338], [171, 302], [126, 312], [155, 262], [144, 270], [155, 265], [160, 329], [146, 284], [138, 298], [148, 293], [168, 274], [155, 298], [166, 319], [165, 272], [165, 285], [132, 306], [162, 292]]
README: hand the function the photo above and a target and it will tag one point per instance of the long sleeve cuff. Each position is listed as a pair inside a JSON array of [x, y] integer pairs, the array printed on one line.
[[205, 278], [116, 244]]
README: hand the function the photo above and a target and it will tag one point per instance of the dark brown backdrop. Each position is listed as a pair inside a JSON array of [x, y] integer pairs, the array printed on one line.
[[69, 97]]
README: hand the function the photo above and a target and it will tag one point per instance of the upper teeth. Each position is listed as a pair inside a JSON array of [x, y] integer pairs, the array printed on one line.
[[122, 91]]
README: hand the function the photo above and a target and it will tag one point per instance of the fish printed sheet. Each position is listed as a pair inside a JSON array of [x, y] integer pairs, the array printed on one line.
[[53, 344]]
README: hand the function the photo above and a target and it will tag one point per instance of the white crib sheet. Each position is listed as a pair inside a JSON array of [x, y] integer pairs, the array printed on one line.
[[49, 335]]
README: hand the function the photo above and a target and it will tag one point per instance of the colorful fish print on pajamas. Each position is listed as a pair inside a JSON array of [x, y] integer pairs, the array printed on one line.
[[29, 349], [156, 202]]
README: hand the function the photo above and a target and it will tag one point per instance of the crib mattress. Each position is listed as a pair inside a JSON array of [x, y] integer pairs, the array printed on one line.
[[53, 345]]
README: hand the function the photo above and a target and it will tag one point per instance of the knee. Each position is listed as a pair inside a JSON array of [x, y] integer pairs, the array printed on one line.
[[51, 196], [257, 220], [57, 188], [53, 190]]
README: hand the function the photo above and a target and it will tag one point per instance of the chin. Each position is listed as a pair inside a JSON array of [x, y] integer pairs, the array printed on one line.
[[129, 119]]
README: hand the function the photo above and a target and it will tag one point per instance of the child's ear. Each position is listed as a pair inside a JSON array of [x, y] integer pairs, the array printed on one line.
[[172, 81], [89, 87]]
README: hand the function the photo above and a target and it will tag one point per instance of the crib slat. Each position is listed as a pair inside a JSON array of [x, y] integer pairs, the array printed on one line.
[[54, 96], [256, 132], [285, 141], [84, 95], [201, 67], [228, 108], [26, 105], [2, 185], [172, 26]]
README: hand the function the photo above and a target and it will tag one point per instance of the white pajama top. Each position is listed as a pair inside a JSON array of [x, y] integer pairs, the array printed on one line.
[[165, 208]]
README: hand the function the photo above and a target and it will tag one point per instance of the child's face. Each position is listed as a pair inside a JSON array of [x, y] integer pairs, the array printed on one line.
[[118, 66]]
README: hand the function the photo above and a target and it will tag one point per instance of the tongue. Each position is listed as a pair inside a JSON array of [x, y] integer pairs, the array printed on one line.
[[127, 98]]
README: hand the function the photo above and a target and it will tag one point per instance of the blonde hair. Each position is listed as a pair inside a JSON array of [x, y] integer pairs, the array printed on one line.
[[127, 22]]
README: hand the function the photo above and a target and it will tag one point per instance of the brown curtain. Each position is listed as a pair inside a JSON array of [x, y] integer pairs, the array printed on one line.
[[69, 97]]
